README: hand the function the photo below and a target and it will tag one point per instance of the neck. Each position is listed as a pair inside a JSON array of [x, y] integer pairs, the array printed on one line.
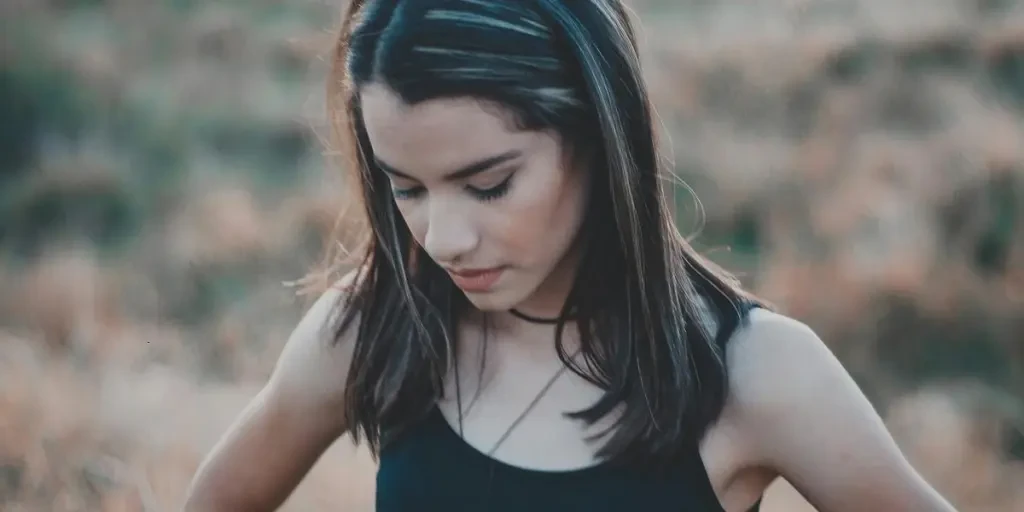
[[547, 301]]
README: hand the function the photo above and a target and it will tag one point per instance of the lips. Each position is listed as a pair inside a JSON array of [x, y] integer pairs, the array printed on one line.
[[476, 280]]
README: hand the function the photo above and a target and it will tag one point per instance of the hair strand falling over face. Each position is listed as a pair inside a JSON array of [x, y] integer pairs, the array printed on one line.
[[652, 329]]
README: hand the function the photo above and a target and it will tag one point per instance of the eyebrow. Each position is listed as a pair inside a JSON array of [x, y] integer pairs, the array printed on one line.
[[463, 172]]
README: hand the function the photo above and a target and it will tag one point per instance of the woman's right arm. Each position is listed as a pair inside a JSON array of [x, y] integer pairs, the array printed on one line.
[[285, 429]]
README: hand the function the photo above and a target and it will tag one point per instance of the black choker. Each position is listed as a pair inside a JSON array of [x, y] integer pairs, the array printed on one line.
[[535, 319]]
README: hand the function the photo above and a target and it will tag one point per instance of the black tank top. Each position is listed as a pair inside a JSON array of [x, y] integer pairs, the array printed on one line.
[[432, 469]]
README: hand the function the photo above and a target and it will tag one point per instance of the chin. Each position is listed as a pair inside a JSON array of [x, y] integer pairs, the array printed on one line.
[[497, 300]]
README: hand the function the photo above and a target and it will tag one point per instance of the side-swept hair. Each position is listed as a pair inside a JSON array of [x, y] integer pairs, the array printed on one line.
[[653, 315]]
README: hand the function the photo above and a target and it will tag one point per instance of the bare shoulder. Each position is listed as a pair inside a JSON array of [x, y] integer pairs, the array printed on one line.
[[781, 372], [778, 358], [798, 411], [313, 365]]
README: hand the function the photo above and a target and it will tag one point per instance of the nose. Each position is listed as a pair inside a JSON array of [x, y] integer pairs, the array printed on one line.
[[450, 232]]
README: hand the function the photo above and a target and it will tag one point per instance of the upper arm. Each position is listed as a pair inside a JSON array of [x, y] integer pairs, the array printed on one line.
[[803, 416], [311, 371], [284, 430]]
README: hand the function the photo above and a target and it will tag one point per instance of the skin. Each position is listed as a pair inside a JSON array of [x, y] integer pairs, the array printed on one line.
[[459, 221], [283, 431], [793, 411]]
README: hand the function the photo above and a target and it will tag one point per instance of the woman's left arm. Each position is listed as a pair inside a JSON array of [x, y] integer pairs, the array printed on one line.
[[802, 415]]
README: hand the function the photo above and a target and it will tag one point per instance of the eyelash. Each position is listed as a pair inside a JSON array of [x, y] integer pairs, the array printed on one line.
[[406, 193], [490, 194]]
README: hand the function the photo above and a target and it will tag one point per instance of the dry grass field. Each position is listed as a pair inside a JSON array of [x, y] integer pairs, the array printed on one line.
[[859, 162]]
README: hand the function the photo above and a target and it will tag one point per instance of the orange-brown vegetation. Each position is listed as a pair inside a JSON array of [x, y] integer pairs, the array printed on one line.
[[859, 162]]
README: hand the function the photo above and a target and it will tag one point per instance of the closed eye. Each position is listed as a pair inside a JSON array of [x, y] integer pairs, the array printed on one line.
[[407, 193], [483, 194], [492, 193]]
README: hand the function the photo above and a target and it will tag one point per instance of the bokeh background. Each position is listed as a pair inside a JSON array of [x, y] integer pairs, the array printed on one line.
[[162, 178]]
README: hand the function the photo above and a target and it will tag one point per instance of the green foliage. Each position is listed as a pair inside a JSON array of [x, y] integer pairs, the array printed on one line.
[[36, 100], [103, 213], [1005, 69]]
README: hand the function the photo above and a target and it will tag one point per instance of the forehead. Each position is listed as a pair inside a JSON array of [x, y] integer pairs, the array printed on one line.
[[434, 137]]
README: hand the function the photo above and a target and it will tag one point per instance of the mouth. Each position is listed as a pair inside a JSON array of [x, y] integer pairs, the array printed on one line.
[[476, 280]]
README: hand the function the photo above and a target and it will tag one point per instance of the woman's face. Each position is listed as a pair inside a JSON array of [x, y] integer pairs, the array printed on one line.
[[496, 207]]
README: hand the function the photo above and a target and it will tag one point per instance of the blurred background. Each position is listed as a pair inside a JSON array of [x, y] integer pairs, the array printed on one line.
[[858, 162]]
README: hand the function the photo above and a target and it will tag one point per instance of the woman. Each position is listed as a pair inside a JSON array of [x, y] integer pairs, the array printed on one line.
[[527, 330]]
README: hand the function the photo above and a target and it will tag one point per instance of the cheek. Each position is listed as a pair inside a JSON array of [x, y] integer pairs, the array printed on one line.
[[540, 221]]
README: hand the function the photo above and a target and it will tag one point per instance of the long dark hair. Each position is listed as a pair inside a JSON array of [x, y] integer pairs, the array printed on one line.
[[653, 315]]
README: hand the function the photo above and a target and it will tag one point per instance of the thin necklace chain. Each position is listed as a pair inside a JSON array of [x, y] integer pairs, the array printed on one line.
[[536, 399], [529, 408]]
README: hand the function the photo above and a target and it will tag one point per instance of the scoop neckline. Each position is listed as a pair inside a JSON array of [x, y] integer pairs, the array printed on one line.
[[537, 472], [703, 484]]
